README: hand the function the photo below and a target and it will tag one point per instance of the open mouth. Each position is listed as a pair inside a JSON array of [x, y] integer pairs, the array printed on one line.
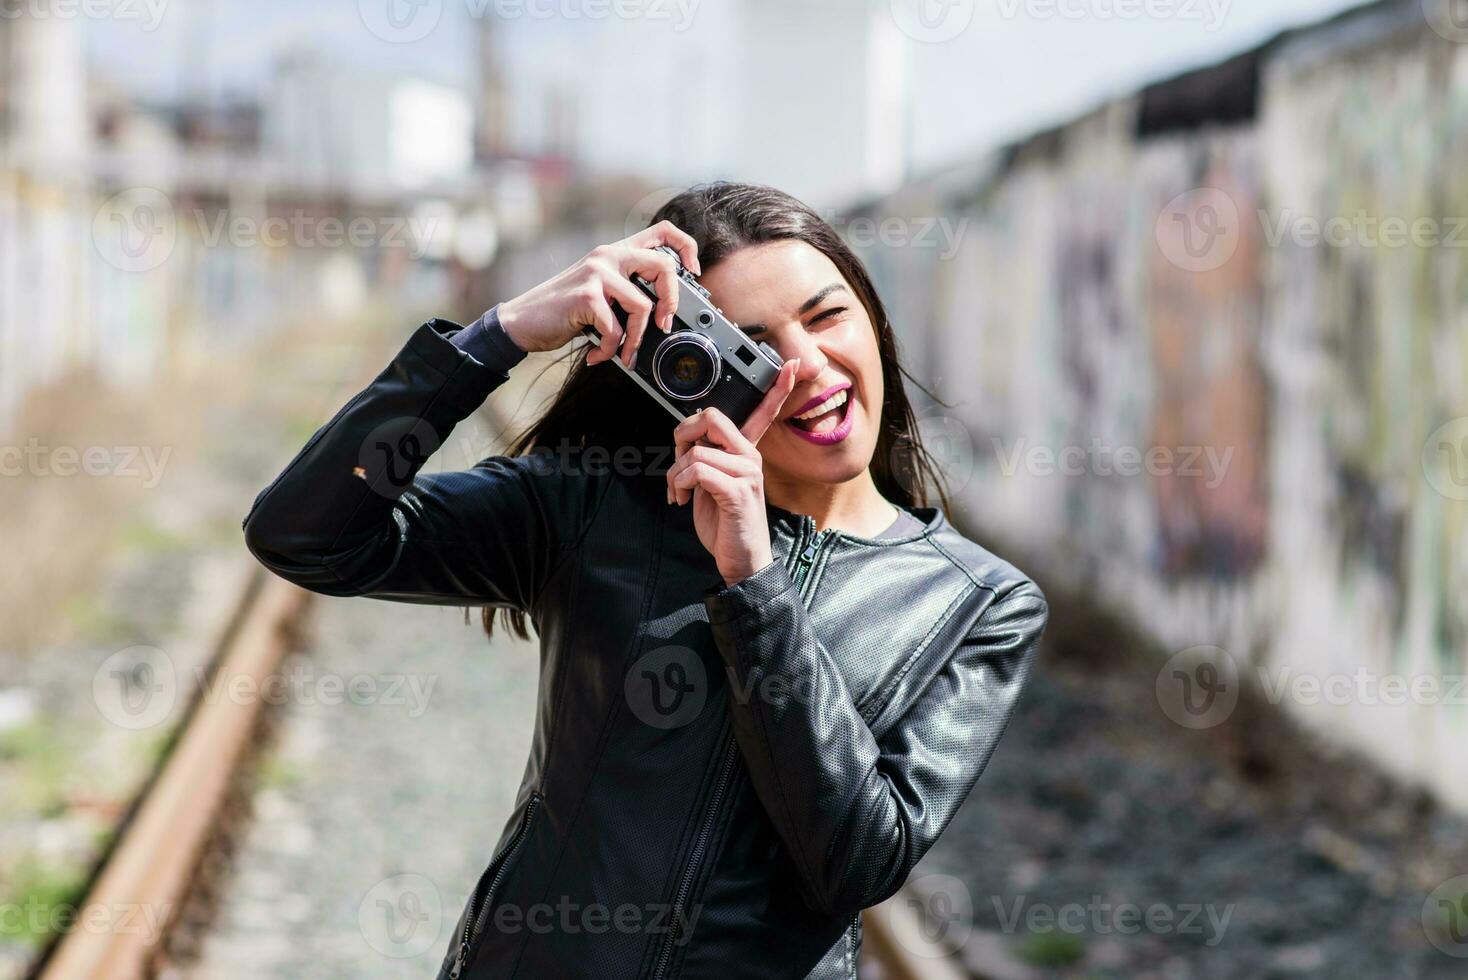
[[828, 422]]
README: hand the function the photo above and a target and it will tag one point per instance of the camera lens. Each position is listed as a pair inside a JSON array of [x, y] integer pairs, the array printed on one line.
[[686, 365]]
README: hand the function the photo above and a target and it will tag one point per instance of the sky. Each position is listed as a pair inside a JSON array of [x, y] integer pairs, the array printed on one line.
[[1010, 67]]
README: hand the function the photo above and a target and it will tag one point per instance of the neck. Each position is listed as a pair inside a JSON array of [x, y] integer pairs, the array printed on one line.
[[856, 506]]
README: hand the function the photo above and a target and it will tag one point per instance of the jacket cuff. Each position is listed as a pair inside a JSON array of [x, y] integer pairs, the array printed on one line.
[[467, 381], [485, 340], [749, 594]]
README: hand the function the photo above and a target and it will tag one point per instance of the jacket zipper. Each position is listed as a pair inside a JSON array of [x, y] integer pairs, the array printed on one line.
[[800, 567], [807, 559], [726, 771], [474, 924]]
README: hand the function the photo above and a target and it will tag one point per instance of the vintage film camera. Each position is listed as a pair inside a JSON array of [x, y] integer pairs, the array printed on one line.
[[704, 361]]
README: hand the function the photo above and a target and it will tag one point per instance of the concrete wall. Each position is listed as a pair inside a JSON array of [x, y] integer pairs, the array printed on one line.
[[1179, 385]]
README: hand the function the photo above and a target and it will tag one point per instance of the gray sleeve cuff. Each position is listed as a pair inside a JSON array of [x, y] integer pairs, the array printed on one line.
[[727, 603], [486, 341]]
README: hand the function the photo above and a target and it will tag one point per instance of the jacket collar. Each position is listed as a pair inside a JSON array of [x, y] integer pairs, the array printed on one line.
[[785, 524]]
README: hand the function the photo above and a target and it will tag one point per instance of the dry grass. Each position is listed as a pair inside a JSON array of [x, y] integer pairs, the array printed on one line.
[[176, 437]]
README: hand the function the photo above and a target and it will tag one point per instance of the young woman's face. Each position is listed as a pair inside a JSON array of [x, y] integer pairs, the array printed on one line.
[[791, 296]]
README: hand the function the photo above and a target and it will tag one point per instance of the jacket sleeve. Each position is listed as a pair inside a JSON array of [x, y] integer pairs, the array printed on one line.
[[856, 812], [351, 515]]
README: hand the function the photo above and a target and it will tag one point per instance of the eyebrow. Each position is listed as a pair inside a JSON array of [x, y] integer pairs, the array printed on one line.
[[805, 307], [815, 300]]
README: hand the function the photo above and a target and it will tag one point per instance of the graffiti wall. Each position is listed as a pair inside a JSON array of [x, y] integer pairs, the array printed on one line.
[[1215, 372]]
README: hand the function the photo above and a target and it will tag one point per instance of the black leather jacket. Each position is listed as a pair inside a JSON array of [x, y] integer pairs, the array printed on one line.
[[721, 778]]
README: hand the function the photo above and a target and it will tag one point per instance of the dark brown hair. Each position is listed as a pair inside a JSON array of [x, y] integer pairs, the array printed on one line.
[[606, 408]]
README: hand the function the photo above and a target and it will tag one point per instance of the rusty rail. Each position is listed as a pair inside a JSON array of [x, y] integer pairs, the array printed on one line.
[[145, 880]]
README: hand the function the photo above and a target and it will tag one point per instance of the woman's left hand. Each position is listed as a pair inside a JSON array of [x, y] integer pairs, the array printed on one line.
[[720, 468]]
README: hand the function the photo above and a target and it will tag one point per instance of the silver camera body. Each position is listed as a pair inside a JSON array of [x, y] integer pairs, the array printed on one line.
[[704, 361]]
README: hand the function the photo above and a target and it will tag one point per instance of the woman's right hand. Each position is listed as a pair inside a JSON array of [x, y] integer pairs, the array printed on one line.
[[554, 313]]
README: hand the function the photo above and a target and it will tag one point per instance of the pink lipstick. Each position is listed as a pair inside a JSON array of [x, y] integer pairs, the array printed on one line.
[[843, 427]]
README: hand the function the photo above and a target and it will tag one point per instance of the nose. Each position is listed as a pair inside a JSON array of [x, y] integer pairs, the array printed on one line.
[[812, 359]]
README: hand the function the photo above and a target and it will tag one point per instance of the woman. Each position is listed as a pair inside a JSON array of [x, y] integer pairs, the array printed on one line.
[[763, 693]]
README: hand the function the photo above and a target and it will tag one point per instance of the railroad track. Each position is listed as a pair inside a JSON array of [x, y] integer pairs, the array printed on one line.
[[147, 875]]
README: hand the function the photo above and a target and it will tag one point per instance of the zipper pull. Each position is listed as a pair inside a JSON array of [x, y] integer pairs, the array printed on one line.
[[459, 961], [809, 554]]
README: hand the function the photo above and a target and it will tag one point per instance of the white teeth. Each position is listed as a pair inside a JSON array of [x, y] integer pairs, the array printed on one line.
[[835, 401]]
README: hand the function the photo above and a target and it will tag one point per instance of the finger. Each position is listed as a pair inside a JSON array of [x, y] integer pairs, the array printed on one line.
[[667, 233], [769, 407], [638, 308], [726, 489], [660, 269], [713, 425], [727, 462], [606, 324]]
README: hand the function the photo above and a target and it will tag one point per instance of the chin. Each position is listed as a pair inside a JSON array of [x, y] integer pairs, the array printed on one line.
[[830, 465]]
